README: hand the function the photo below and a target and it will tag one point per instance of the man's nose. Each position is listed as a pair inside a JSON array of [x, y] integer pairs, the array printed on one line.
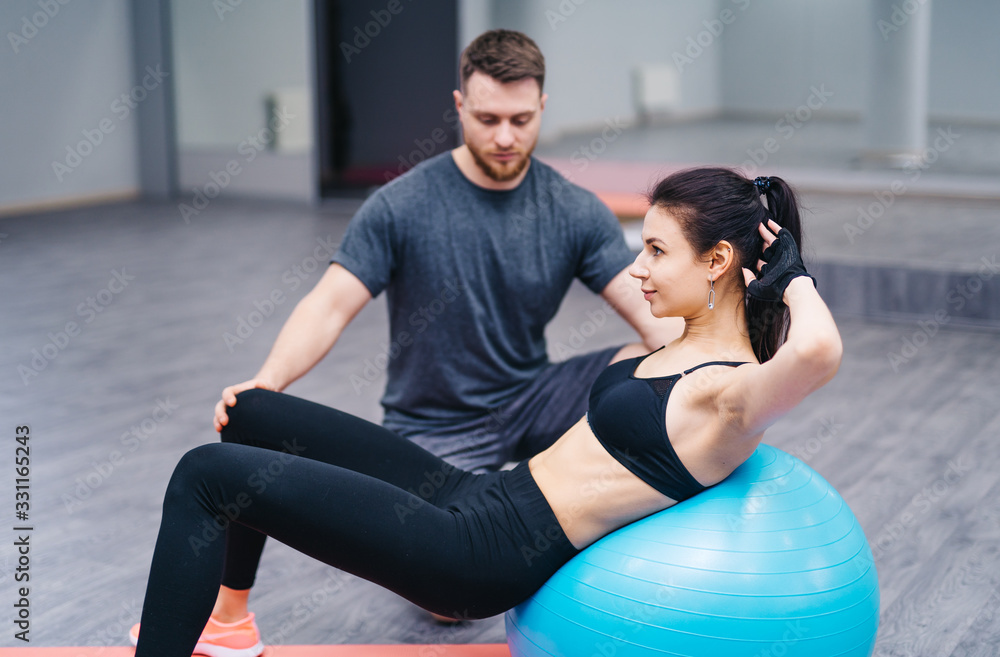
[[504, 136]]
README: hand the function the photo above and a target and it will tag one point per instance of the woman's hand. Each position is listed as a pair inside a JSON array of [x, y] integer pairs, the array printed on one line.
[[811, 353], [780, 263]]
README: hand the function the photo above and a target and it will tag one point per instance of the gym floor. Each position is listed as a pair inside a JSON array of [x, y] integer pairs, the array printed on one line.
[[167, 313]]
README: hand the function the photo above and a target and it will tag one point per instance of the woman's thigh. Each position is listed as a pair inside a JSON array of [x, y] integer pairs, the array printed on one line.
[[281, 422], [467, 561]]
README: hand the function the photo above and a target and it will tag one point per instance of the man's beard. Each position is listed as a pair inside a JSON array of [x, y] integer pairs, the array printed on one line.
[[499, 173]]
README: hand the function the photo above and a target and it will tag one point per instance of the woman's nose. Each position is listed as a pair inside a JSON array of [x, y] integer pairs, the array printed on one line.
[[636, 269]]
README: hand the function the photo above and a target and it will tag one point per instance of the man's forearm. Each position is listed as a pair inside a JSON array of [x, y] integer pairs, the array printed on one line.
[[304, 340]]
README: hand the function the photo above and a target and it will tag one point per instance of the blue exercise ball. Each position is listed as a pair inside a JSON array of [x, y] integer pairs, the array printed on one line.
[[770, 562]]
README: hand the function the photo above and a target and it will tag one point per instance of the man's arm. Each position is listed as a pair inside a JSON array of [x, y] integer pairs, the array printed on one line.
[[308, 334], [624, 295]]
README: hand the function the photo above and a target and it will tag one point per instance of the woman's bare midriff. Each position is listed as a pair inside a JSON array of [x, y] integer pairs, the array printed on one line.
[[591, 493]]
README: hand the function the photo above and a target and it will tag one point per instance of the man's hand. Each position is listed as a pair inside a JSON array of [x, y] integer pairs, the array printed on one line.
[[229, 399], [306, 337]]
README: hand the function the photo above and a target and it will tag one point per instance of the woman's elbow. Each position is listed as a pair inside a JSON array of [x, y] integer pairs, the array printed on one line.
[[822, 356]]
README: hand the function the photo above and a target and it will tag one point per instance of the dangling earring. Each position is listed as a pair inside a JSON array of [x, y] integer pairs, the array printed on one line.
[[711, 296]]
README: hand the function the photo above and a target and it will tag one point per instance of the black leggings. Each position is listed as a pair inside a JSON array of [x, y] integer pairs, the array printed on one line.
[[353, 495]]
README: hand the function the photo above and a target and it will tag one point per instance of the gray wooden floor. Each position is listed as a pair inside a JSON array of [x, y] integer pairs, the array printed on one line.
[[913, 446]]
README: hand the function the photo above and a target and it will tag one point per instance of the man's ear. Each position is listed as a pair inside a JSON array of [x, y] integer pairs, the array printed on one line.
[[457, 95]]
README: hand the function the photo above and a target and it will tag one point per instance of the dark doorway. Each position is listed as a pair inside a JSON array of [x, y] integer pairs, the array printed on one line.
[[386, 72]]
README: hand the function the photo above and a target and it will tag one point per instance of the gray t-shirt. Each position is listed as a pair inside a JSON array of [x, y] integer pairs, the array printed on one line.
[[472, 277]]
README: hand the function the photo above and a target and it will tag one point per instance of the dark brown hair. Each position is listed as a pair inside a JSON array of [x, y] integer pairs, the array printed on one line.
[[714, 204], [505, 56]]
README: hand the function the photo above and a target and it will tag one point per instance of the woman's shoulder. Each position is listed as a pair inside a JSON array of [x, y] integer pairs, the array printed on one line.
[[673, 359]]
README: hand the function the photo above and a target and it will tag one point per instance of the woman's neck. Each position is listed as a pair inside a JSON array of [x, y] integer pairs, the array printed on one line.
[[721, 331]]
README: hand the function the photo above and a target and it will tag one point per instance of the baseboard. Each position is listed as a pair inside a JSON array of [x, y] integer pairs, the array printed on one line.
[[935, 298], [245, 172], [69, 202]]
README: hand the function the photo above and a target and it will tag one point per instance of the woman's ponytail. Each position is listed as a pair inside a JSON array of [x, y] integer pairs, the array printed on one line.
[[767, 321]]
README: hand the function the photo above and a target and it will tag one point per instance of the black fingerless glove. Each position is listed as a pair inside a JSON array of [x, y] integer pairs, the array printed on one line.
[[782, 263]]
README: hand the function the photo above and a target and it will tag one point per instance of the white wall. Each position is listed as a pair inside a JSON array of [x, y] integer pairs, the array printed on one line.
[[591, 47], [63, 81], [227, 62], [229, 57], [474, 18], [965, 60], [779, 48], [66, 78], [764, 58]]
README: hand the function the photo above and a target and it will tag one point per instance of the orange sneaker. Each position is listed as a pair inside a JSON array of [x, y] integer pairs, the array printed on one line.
[[239, 639]]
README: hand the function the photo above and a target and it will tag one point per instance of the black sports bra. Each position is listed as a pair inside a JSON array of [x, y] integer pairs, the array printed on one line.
[[628, 415]]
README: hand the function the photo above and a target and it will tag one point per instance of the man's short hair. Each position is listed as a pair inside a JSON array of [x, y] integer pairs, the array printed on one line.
[[505, 56]]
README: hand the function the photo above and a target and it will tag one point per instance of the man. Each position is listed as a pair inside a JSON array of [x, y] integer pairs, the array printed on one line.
[[475, 249]]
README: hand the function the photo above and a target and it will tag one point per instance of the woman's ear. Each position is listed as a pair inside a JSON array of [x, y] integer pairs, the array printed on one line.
[[722, 258]]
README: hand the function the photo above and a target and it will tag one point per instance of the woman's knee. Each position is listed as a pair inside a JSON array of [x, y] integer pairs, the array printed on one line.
[[249, 408], [196, 468]]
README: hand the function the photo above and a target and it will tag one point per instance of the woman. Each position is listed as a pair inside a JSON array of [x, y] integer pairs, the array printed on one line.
[[360, 498]]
